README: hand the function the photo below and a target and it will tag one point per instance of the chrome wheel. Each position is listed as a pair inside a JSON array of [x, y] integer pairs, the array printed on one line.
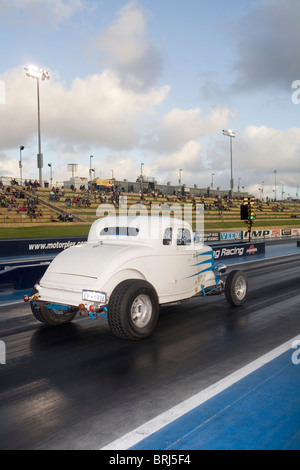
[[236, 288], [141, 311], [240, 287], [133, 309]]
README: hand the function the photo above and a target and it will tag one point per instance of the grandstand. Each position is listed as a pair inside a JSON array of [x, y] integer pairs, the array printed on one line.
[[79, 207], [25, 207]]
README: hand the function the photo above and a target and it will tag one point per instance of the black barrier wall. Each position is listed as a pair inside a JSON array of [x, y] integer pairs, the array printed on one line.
[[44, 246], [37, 246], [22, 277]]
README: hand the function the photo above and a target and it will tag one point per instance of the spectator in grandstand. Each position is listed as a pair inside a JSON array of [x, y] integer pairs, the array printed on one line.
[[65, 218], [31, 213]]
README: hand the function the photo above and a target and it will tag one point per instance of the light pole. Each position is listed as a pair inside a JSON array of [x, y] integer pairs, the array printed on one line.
[[261, 190], [230, 133], [50, 165], [141, 177], [20, 163], [91, 156], [275, 190], [282, 187], [212, 180], [180, 174], [39, 74]]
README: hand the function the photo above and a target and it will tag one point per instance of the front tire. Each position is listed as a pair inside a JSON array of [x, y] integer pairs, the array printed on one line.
[[236, 288], [133, 309]]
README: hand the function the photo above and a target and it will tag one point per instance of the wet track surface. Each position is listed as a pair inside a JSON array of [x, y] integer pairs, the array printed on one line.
[[80, 387]]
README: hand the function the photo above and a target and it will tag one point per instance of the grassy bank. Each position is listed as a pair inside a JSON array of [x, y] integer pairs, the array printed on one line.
[[237, 225], [69, 230], [42, 231]]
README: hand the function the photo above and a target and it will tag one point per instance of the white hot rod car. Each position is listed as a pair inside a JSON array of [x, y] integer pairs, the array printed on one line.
[[127, 269]]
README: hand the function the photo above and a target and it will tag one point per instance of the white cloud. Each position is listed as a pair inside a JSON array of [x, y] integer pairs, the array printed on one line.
[[95, 110], [257, 152], [187, 156], [98, 114], [36, 11], [180, 126], [125, 48], [267, 148]]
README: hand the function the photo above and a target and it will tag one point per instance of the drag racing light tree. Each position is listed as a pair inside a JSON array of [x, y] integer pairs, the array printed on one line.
[[244, 211], [230, 133], [39, 74], [247, 213]]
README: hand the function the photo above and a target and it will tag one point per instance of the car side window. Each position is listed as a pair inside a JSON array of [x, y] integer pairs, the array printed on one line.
[[167, 238], [183, 237]]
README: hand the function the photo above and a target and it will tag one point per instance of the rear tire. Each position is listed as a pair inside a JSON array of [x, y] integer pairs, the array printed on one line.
[[51, 316], [133, 309], [236, 288]]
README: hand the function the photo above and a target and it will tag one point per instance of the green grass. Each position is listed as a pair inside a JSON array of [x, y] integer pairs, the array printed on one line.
[[258, 223], [82, 230], [44, 231]]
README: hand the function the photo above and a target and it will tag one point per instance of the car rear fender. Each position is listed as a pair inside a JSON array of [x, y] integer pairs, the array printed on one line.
[[121, 276]]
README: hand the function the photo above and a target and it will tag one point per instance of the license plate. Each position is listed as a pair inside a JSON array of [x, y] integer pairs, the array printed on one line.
[[94, 296]]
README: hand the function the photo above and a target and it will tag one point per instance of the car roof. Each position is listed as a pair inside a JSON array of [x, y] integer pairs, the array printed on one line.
[[147, 227]]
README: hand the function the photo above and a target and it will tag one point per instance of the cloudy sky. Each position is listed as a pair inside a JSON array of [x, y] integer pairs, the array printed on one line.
[[154, 82]]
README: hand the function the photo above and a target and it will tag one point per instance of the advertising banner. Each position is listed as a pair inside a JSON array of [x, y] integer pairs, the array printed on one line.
[[257, 234], [231, 235], [211, 236], [37, 246], [275, 233], [272, 233], [206, 236], [238, 250]]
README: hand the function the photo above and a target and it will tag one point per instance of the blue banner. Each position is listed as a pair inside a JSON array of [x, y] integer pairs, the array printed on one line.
[[238, 250]]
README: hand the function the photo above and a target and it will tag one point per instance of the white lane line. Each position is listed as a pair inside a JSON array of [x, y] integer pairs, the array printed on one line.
[[12, 302], [155, 424]]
